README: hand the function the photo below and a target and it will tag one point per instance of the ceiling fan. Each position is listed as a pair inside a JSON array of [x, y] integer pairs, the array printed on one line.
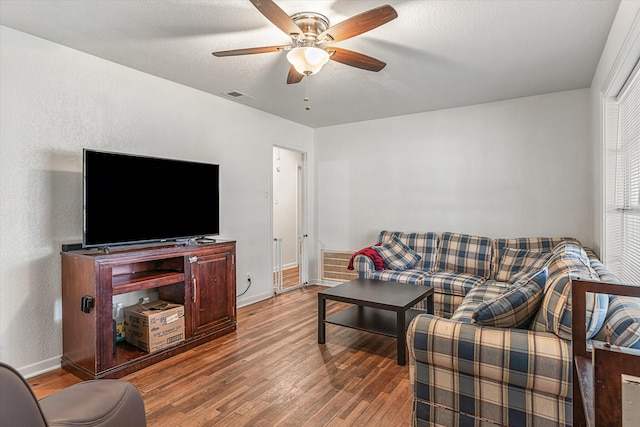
[[310, 33]]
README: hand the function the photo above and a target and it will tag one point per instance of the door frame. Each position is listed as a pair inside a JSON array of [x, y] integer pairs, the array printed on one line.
[[302, 215]]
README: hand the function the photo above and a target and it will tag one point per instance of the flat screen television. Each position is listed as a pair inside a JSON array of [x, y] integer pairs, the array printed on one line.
[[136, 199]]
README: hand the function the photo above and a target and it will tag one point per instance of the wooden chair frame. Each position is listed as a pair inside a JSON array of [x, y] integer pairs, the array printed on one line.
[[597, 374]]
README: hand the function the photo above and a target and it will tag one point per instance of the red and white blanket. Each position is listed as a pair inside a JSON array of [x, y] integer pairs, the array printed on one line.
[[372, 254]]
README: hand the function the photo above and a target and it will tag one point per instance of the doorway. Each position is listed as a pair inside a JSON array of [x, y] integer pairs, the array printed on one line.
[[288, 224]]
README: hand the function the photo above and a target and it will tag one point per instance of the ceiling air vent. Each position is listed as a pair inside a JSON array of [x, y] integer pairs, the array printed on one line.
[[238, 96]]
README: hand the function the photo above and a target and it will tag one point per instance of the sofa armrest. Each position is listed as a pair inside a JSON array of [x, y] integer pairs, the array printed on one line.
[[363, 265], [604, 274], [515, 357]]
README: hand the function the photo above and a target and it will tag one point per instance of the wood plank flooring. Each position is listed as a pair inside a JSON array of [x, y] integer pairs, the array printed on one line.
[[272, 372], [290, 277]]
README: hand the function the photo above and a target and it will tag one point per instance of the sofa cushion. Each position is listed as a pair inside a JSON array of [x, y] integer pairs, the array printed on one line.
[[462, 253], [515, 305], [425, 245], [445, 305], [397, 255], [453, 283], [568, 261], [411, 275], [514, 261], [596, 313], [476, 297], [622, 322]]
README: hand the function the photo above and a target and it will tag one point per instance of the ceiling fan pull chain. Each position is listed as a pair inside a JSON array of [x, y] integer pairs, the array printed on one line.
[[306, 94]]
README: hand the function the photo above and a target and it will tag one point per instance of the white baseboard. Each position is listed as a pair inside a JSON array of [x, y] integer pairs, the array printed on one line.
[[254, 299], [39, 368], [285, 266], [324, 282]]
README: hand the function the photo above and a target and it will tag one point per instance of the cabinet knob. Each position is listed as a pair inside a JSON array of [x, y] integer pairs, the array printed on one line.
[[193, 259]]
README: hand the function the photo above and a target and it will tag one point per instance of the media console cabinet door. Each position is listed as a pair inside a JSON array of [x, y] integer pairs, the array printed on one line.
[[213, 281]]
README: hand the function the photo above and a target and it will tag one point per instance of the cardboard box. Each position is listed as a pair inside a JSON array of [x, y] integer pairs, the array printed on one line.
[[154, 325]]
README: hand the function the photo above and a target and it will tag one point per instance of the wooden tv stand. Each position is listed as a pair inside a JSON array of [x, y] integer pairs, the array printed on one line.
[[200, 276]]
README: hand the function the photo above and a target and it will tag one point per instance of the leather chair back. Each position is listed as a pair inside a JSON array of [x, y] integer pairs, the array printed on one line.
[[18, 404]]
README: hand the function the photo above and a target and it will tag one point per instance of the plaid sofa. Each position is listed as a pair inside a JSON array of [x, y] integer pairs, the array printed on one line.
[[467, 372]]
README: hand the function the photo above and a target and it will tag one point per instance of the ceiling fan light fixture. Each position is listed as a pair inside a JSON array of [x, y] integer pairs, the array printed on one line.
[[307, 59]]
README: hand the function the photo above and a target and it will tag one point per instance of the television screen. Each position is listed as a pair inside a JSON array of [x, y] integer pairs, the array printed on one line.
[[137, 199]]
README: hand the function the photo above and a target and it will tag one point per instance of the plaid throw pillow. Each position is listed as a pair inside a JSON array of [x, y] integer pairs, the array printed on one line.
[[542, 244], [397, 255], [514, 261], [424, 244], [515, 306]]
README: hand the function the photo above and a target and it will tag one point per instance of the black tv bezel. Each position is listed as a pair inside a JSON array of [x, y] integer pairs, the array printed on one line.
[[182, 238]]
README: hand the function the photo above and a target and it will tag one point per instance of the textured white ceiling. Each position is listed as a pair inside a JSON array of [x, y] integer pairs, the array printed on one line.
[[439, 54]]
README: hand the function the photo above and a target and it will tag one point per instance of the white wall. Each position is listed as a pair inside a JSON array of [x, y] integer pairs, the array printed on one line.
[[514, 168], [53, 102], [619, 56]]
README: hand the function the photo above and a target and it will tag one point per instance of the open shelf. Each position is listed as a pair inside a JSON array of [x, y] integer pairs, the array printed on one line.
[[371, 319], [123, 283], [126, 352], [139, 275]]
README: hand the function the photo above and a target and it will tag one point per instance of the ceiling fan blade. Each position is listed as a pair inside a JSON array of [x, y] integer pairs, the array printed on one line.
[[294, 76], [277, 16], [360, 23], [355, 59], [251, 50]]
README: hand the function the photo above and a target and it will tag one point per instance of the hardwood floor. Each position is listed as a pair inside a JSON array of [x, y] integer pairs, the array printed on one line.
[[290, 277], [272, 372]]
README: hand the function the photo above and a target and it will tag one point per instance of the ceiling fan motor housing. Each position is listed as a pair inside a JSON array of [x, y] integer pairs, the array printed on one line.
[[312, 25]]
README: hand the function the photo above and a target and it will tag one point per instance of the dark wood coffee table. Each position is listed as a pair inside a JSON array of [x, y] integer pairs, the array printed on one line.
[[379, 307]]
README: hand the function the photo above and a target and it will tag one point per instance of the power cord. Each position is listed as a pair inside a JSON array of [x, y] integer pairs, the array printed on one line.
[[248, 286]]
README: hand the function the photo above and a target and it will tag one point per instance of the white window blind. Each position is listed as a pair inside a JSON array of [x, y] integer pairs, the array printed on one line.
[[622, 255]]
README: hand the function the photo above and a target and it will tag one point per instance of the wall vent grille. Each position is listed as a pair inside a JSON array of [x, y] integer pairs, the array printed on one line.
[[334, 265]]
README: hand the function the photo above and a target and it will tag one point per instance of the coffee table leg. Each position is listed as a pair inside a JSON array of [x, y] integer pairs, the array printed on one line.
[[401, 337], [430, 303], [322, 305]]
